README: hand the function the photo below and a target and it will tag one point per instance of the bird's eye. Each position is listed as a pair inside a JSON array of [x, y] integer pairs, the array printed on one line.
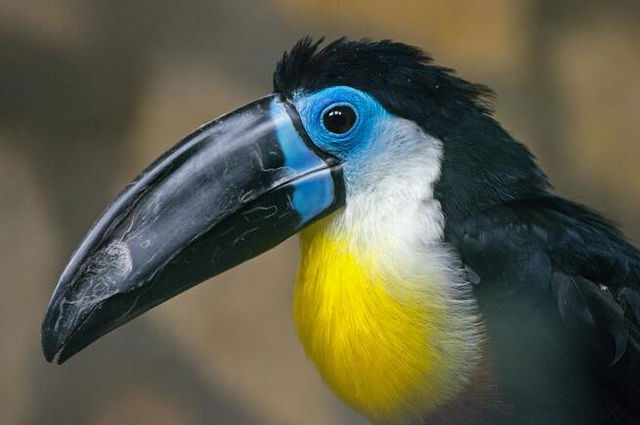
[[339, 119]]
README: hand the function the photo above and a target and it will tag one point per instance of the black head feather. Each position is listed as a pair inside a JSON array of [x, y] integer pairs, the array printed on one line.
[[395, 73], [482, 164]]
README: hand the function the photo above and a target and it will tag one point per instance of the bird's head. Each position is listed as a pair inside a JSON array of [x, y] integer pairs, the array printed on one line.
[[344, 120]]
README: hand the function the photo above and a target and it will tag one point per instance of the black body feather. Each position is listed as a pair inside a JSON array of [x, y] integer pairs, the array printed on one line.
[[558, 291], [558, 286]]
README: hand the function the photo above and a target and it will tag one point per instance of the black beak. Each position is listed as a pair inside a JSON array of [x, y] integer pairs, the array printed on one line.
[[233, 189]]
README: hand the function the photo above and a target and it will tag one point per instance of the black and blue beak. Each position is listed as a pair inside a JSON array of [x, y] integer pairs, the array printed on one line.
[[233, 189]]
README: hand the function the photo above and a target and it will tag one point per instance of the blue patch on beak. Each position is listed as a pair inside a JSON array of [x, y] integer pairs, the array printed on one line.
[[313, 193]]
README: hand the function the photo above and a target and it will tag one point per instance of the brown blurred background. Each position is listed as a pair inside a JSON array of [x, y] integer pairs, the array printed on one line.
[[93, 90]]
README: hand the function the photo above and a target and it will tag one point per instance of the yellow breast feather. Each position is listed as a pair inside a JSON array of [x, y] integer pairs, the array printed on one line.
[[376, 342]]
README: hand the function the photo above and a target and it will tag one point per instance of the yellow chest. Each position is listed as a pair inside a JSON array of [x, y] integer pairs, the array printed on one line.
[[375, 346]]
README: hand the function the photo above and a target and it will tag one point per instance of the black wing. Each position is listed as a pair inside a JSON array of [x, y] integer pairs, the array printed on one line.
[[559, 289]]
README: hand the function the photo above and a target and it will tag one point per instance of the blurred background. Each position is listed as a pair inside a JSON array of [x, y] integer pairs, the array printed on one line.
[[91, 91]]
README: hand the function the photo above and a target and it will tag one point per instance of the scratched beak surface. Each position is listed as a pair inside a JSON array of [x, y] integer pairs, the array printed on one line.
[[233, 189]]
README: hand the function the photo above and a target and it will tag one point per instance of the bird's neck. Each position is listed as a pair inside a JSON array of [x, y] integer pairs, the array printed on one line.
[[384, 314]]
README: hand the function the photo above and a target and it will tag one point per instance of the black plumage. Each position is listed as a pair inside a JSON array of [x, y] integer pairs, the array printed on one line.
[[558, 291], [558, 286]]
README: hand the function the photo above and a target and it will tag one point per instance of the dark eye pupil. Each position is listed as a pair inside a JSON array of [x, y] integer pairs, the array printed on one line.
[[339, 119]]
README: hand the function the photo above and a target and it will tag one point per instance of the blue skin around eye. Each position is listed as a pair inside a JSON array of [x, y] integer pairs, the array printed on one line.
[[313, 194], [369, 115]]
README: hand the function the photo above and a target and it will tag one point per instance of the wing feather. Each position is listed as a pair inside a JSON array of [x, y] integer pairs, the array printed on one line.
[[559, 288]]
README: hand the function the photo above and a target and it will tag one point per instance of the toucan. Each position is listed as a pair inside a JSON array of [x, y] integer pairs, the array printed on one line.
[[441, 281]]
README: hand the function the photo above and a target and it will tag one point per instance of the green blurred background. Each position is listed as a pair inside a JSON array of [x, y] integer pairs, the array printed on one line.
[[93, 90]]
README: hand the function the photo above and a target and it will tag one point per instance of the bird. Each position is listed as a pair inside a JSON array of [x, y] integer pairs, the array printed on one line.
[[441, 279]]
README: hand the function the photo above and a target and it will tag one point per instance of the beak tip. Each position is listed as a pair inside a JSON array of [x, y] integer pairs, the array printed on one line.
[[68, 328], [50, 349], [55, 350], [51, 344], [54, 342]]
